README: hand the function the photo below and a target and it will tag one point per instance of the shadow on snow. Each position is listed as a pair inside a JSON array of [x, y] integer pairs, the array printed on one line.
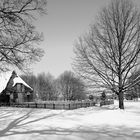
[[93, 132]]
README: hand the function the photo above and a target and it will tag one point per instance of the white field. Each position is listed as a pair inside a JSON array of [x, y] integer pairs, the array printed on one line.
[[93, 123]]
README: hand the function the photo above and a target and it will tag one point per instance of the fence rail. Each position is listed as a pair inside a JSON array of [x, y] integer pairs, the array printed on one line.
[[66, 105], [106, 102], [51, 105]]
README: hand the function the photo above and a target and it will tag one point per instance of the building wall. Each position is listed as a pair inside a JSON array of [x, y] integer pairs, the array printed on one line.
[[19, 93], [23, 93]]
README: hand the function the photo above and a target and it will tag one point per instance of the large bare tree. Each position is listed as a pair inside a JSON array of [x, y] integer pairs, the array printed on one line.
[[108, 54], [18, 37]]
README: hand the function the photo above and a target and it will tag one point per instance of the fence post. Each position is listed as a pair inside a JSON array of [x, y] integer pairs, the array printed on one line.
[[69, 106], [44, 105], [63, 106], [36, 105], [81, 103], [53, 106]]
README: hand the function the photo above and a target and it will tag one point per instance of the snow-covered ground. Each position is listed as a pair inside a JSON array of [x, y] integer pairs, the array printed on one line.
[[93, 123]]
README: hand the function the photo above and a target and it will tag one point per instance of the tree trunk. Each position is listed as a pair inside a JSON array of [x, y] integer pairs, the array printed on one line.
[[121, 100]]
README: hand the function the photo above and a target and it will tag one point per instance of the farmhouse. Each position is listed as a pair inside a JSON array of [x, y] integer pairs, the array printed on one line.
[[14, 89]]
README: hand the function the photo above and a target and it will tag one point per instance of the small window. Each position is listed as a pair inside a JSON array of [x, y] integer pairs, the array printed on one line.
[[28, 93], [23, 88], [8, 93], [18, 87]]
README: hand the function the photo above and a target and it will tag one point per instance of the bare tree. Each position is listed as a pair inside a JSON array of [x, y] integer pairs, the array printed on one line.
[[46, 86], [70, 86], [18, 37], [108, 54]]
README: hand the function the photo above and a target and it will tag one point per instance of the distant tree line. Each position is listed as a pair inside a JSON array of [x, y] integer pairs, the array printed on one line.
[[66, 87]]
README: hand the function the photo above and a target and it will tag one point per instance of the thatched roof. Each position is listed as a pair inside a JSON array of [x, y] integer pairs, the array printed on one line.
[[5, 77]]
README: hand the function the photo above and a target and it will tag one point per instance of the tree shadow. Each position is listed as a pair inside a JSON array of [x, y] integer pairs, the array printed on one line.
[[19, 123], [19, 126], [96, 133], [4, 115]]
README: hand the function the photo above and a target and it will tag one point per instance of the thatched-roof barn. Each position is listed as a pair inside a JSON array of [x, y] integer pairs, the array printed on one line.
[[14, 89]]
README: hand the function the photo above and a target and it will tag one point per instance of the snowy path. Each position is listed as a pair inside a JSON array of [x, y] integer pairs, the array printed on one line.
[[93, 123]]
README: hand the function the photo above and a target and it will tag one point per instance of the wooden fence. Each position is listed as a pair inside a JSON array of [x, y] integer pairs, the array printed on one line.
[[66, 105], [52, 105], [106, 102]]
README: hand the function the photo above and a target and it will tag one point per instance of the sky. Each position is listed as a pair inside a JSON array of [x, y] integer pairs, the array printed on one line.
[[66, 20]]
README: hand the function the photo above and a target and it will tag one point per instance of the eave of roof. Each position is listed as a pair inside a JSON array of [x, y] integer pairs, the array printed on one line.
[[20, 81]]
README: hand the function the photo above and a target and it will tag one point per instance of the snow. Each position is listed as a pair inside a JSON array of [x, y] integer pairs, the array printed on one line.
[[92, 123], [19, 80], [4, 78]]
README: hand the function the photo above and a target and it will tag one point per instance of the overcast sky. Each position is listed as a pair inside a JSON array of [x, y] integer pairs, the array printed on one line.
[[65, 22]]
